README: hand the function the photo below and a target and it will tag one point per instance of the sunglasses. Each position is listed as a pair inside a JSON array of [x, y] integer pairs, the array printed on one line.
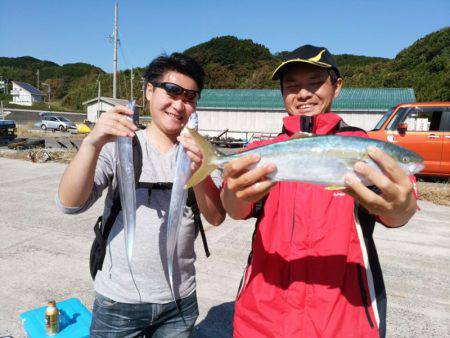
[[175, 90]]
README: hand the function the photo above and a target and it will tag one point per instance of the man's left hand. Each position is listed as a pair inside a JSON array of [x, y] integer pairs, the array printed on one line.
[[192, 150], [396, 204]]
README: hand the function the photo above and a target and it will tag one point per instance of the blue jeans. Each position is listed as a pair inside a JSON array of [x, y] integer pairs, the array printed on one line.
[[111, 319]]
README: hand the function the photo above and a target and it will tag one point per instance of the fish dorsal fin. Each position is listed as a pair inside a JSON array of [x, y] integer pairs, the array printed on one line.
[[301, 134], [335, 187]]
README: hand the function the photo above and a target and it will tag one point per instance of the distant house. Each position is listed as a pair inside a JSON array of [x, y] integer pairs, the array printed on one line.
[[99, 105], [249, 112], [25, 94], [4, 85]]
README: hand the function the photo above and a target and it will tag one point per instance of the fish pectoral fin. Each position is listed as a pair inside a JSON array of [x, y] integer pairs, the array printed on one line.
[[301, 134], [335, 187], [349, 163]]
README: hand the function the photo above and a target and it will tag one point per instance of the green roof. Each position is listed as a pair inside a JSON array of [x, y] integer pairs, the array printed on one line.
[[349, 98]]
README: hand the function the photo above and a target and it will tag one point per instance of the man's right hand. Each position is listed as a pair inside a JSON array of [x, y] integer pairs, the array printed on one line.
[[115, 122], [245, 184]]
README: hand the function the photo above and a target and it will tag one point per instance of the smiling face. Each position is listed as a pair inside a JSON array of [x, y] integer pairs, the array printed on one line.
[[308, 90], [170, 113]]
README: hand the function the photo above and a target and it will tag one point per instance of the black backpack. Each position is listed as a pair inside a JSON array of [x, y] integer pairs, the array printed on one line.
[[103, 228]]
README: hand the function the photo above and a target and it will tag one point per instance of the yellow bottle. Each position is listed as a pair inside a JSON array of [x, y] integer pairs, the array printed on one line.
[[51, 319]]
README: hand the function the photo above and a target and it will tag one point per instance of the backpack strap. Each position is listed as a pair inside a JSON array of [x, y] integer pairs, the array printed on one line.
[[344, 127], [259, 207], [137, 159], [192, 203], [155, 185], [102, 230]]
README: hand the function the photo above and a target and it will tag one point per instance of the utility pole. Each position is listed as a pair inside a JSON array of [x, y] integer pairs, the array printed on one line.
[[98, 97], [115, 52], [37, 73], [49, 91], [132, 79], [143, 93]]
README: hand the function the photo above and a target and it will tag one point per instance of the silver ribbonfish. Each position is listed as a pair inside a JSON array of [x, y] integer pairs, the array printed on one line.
[[178, 199], [322, 160], [127, 190]]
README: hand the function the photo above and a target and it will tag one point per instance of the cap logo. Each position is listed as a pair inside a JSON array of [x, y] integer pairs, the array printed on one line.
[[317, 57]]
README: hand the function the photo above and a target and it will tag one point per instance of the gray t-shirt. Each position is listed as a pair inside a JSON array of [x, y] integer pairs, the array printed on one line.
[[149, 262]]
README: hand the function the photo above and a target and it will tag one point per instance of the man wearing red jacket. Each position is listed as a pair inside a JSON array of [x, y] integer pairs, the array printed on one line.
[[313, 270]]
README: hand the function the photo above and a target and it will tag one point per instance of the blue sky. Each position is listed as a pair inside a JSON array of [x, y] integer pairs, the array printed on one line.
[[75, 31]]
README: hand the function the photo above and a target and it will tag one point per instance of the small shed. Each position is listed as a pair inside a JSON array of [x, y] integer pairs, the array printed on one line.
[[245, 112], [99, 105]]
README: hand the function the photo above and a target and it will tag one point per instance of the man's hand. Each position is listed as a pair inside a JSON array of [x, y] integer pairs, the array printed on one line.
[[248, 185], [396, 204], [115, 122], [245, 185], [192, 150]]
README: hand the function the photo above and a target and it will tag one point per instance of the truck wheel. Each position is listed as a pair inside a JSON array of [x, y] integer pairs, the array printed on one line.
[[43, 127]]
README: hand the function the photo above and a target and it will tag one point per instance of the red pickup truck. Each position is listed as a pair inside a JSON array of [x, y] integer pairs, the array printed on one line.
[[423, 127]]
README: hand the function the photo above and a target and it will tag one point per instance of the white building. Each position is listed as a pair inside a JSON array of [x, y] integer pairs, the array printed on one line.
[[255, 113], [25, 94], [101, 104]]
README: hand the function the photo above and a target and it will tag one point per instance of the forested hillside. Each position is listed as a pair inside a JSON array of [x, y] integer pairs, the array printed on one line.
[[230, 62]]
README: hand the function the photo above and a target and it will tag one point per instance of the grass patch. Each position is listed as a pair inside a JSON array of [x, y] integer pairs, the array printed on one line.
[[435, 192], [40, 155], [23, 130], [29, 130]]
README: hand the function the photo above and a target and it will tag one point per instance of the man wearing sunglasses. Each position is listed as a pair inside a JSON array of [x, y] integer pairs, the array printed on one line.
[[141, 304], [313, 270], [177, 91]]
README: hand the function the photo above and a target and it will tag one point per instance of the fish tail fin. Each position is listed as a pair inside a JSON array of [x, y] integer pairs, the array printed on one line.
[[209, 155]]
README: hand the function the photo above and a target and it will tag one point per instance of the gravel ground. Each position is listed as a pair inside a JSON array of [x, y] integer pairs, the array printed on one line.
[[44, 255]]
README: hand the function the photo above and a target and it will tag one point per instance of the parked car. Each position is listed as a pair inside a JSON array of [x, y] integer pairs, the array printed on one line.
[[423, 127], [57, 123], [8, 130]]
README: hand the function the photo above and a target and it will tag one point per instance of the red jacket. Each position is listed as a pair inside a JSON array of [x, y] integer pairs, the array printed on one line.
[[313, 270]]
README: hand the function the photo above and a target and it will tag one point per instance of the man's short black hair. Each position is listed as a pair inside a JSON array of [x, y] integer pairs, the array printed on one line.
[[177, 62]]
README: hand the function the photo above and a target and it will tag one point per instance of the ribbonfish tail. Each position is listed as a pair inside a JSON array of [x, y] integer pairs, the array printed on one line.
[[178, 199], [127, 189], [321, 160]]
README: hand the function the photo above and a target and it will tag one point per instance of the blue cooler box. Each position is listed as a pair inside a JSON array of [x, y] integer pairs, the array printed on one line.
[[74, 320]]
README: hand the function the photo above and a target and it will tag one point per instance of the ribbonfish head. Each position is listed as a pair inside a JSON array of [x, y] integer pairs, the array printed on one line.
[[322, 160]]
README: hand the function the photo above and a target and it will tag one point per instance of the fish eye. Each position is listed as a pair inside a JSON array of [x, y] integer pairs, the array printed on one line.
[[405, 159]]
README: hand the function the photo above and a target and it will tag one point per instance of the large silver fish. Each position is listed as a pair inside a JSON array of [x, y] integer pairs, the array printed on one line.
[[127, 189], [322, 160], [178, 199]]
